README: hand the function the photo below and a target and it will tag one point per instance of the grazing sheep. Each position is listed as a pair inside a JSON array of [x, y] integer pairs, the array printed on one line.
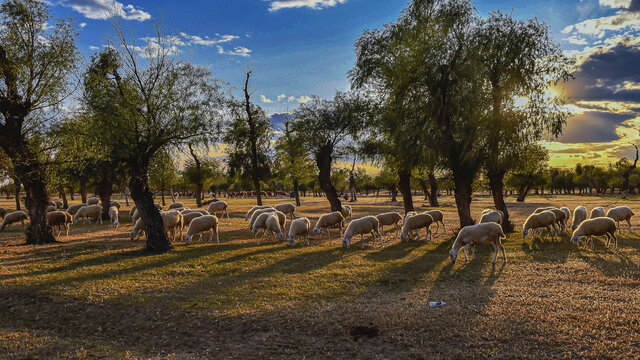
[[261, 221], [329, 220], [545, 219], [597, 212], [299, 227], [188, 217], [410, 213], [60, 219], [173, 221], [541, 209], [202, 224], [114, 203], [437, 217], [561, 219], [12, 218], [390, 218], [73, 209], [132, 211], [620, 213], [114, 216], [59, 204], [175, 205], [93, 200], [3, 211], [200, 211], [287, 208], [579, 215], [272, 225], [415, 223], [221, 206], [134, 216], [88, 212], [138, 229], [601, 226], [254, 209], [347, 212], [257, 213], [567, 213], [51, 208], [362, 226], [495, 216], [480, 234]]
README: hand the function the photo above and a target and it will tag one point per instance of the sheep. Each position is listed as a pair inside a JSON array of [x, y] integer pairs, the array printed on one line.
[[3, 211], [347, 212], [60, 219], [299, 227], [202, 224], [173, 221], [261, 221], [59, 204], [200, 211], [221, 206], [390, 218], [437, 217], [254, 209], [561, 219], [158, 206], [596, 227], [188, 217], [93, 200], [567, 212], [545, 219], [408, 214], [272, 225], [287, 208], [541, 209], [415, 223], [134, 216], [479, 234], [51, 208], [87, 212], [73, 209], [138, 229], [579, 215], [114, 203], [328, 220], [495, 216], [258, 213], [132, 211], [12, 218], [114, 216], [176, 205], [597, 212], [620, 213], [364, 225]]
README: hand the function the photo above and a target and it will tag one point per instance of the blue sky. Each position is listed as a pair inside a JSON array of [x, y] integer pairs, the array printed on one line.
[[301, 48]]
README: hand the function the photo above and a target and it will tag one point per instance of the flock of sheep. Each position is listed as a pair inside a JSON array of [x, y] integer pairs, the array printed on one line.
[[272, 220]]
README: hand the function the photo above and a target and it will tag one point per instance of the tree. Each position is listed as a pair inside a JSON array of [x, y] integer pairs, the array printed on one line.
[[36, 59], [161, 103], [292, 160], [518, 60], [427, 179], [201, 174], [163, 173], [326, 127], [627, 173], [248, 137], [530, 173]]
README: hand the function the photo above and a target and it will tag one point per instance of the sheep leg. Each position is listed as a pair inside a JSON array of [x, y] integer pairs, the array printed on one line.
[[464, 251], [381, 243], [362, 240], [430, 234], [495, 252], [307, 237], [437, 227], [504, 254], [443, 226], [629, 222], [227, 211]]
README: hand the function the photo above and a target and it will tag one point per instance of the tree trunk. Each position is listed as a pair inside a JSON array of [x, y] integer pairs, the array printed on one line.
[[425, 187], [157, 240], [496, 183], [394, 194], [433, 194], [463, 191], [63, 195], [38, 232], [83, 190], [404, 184], [105, 190], [296, 191], [17, 185], [324, 160], [162, 197], [522, 193], [71, 193], [257, 186], [198, 195]]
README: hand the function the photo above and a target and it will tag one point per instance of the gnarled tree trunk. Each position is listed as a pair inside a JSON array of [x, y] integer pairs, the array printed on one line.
[[296, 191], [324, 160], [463, 182], [496, 183], [404, 184], [17, 185], [157, 240]]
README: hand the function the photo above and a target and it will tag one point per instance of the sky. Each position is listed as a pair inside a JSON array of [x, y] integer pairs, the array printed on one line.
[[300, 48]]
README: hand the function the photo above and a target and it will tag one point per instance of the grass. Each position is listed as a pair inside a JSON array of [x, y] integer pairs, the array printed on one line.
[[96, 295]]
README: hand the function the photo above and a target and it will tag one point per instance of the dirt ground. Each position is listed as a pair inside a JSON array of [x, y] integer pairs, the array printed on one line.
[[97, 295]]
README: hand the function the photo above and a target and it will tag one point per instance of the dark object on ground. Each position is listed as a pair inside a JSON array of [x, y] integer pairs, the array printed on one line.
[[364, 331]]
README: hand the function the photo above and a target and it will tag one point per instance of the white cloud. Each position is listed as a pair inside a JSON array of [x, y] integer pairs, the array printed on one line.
[[265, 100], [106, 9], [576, 40], [207, 41], [615, 4], [94, 48], [312, 4], [282, 97], [236, 51], [82, 25], [304, 99]]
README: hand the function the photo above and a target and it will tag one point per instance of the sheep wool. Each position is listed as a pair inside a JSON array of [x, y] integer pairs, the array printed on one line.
[[600, 226], [479, 234], [12, 218], [200, 225], [297, 228], [362, 226], [621, 213]]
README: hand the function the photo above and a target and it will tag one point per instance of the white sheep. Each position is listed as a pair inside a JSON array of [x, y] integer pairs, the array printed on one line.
[[495, 216], [173, 221], [138, 229], [200, 211], [3, 211], [87, 213], [273, 227], [601, 226], [59, 204], [188, 217], [597, 212], [73, 209], [176, 205], [12, 218], [114, 203], [254, 209], [579, 215], [621, 213], [60, 219], [438, 218], [362, 226], [347, 212], [287, 208], [257, 213], [261, 221], [299, 227], [93, 201], [329, 220], [114, 216], [479, 234], [390, 218], [134, 216], [202, 224], [415, 223], [132, 212], [51, 208], [545, 219], [216, 206]]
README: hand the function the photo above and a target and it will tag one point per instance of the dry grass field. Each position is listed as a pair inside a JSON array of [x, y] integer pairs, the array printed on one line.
[[97, 295]]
